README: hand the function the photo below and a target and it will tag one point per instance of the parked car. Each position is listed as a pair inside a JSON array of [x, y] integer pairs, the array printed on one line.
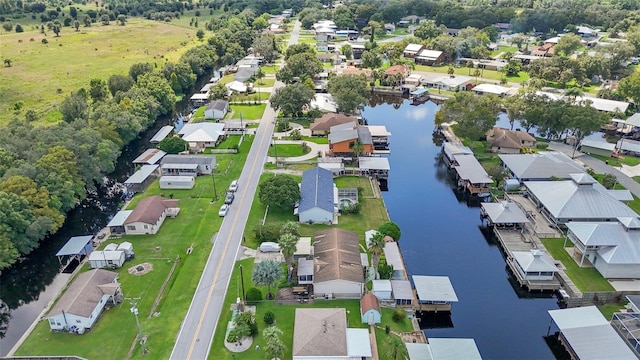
[[234, 186], [269, 247], [229, 198], [224, 209]]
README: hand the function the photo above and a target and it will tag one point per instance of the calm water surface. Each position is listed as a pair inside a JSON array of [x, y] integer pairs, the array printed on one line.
[[441, 236]]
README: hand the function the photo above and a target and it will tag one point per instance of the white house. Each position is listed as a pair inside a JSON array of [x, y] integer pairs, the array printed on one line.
[[494, 89], [177, 182], [149, 214], [450, 82], [216, 110], [109, 259], [338, 269], [187, 165], [81, 305], [202, 135], [318, 197]]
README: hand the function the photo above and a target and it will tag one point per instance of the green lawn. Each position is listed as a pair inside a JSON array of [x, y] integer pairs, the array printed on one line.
[[41, 76], [502, 48], [194, 226], [586, 279], [205, 17], [270, 69], [316, 139], [288, 150], [617, 162], [248, 111], [608, 309], [226, 79], [400, 31], [265, 83], [485, 74], [230, 142]]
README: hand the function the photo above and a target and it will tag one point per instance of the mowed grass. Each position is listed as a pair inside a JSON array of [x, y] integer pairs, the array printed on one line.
[[288, 150], [194, 227], [41, 76], [485, 74], [586, 279], [248, 111]]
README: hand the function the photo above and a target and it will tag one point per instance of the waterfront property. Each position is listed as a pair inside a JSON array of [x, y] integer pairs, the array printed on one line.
[[393, 256], [216, 109], [343, 138], [504, 214], [370, 309], [444, 349], [435, 293], [451, 83], [627, 324], [149, 214], [187, 165], [450, 150], [471, 176], [150, 156], [322, 125], [318, 197], [337, 268], [324, 103], [613, 248], [107, 259], [541, 166], [161, 134], [81, 305], [376, 167], [580, 199], [597, 147], [177, 182], [75, 248], [412, 50], [402, 292], [116, 224], [505, 141], [586, 334], [534, 269], [492, 89], [321, 333], [380, 138], [382, 289], [430, 57], [141, 179], [202, 135]]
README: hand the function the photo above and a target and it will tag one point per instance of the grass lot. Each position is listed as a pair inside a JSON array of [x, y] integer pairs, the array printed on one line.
[[204, 17], [486, 74], [288, 150], [315, 139], [248, 111], [254, 97], [400, 31], [195, 225], [226, 79], [270, 69], [617, 162], [42, 75], [608, 309], [265, 83], [586, 279], [502, 48]]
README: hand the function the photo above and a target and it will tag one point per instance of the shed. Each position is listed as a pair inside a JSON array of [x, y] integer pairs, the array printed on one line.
[[303, 248], [141, 178], [370, 309], [177, 182], [161, 134], [116, 225], [402, 292], [127, 247], [75, 248], [106, 259], [216, 109], [510, 184], [436, 292], [382, 289], [111, 247]]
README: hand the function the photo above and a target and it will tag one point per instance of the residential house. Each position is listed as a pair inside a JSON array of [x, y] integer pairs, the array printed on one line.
[[216, 109], [545, 50], [199, 99], [327, 57], [435, 293], [236, 86], [534, 269], [106, 259], [80, 306], [343, 138], [613, 248], [338, 270], [503, 26], [451, 82], [444, 349], [357, 49], [318, 197], [430, 57], [486, 64], [322, 125], [202, 135], [249, 62], [370, 309], [628, 147], [606, 105], [580, 199], [367, 73], [412, 50], [413, 79], [452, 32], [322, 333], [188, 165], [507, 141], [586, 31], [493, 89], [149, 214], [598, 147], [397, 72], [541, 166], [116, 224]]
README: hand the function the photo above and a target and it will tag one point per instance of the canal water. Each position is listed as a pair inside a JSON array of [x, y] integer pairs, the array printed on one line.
[[441, 236]]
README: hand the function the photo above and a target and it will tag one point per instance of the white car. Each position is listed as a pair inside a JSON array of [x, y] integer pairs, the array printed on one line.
[[224, 209], [269, 247], [234, 186]]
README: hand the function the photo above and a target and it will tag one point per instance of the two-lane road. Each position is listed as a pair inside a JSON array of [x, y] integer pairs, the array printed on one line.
[[198, 327]]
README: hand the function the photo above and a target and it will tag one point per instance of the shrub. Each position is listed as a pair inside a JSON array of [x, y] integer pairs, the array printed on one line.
[[399, 315], [269, 317], [267, 232], [391, 229], [387, 329], [542, 145], [253, 295]]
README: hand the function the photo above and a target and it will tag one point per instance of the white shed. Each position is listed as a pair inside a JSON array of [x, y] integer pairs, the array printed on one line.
[[127, 247], [382, 289], [177, 182], [106, 259]]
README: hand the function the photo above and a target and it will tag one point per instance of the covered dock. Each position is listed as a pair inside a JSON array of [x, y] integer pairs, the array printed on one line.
[[150, 157], [504, 214], [141, 178], [376, 167], [402, 292], [75, 249], [161, 134], [449, 150], [435, 293], [534, 269], [471, 176], [586, 334], [394, 258], [444, 349]]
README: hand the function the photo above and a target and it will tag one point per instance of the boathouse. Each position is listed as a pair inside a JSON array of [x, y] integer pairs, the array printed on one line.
[[381, 289], [375, 167], [150, 157], [504, 214], [402, 292], [142, 178], [75, 249], [450, 150], [394, 258], [161, 134], [534, 269], [471, 176], [435, 293], [444, 349]]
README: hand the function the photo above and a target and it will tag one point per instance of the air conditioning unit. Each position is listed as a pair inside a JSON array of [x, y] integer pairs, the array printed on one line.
[[328, 296]]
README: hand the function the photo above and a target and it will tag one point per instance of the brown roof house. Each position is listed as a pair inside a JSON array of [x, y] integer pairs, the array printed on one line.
[[323, 124], [505, 141], [81, 305], [337, 265], [370, 309], [322, 333], [149, 215]]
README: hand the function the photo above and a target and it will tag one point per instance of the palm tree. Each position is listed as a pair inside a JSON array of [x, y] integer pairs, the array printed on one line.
[[358, 148], [476, 74], [451, 71], [395, 349], [376, 248], [290, 227], [288, 245], [267, 273], [275, 348], [469, 66]]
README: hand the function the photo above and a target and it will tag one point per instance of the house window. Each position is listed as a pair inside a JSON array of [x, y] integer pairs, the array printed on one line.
[[146, 226], [52, 321], [79, 322], [131, 227], [352, 144]]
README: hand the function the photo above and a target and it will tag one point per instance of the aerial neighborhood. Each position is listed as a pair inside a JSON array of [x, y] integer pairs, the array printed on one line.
[[380, 180]]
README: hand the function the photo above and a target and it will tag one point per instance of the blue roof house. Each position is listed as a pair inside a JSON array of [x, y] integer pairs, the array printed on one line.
[[318, 197]]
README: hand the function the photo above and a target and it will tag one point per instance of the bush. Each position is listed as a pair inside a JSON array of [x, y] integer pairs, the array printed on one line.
[[353, 208], [399, 315], [253, 295], [387, 329], [391, 229], [269, 317], [267, 232], [542, 145], [385, 270]]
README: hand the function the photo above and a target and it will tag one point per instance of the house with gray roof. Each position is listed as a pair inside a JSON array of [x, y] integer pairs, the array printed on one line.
[[343, 137], [613, 248], [216, 109], [80, 306], [318, 197], [534, 269], [444, 349], [541, 166], [338, 268], [471, 176], [581, 199], [202, 135], [504, 214], [187, 165]]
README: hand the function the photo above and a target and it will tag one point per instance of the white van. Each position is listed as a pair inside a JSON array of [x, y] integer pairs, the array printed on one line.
[[269, 247]]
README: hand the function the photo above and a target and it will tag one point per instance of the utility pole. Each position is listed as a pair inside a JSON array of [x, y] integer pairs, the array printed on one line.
[[134, 311], [242, 284], [215, 191]]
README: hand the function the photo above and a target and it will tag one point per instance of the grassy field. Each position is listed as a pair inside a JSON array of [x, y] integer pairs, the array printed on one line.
[[502, 48], [248, 111], [288, 150], [270, 69], [42, 75], [586, 279], [486, 74], [195, 225], [265, 83], [617, 162]]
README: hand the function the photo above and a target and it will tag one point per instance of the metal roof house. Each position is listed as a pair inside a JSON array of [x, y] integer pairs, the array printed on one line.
[[412, 50], [338, 270], [504, 214], [450, 83], [402, 292], [107, 259], [444, 349], [318, 197], [149, 214], [613, 248], [429, 57], [580, 199], [216, 109], [381, 289], [493, 89], [435, 293], [141, 178], [202, 135], [80, 306], [471, 175], [187, 165], [116, 224], [587, 335], [541, 166]]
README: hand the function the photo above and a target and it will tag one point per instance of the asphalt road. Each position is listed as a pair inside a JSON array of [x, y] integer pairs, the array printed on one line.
[[197, 329]]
